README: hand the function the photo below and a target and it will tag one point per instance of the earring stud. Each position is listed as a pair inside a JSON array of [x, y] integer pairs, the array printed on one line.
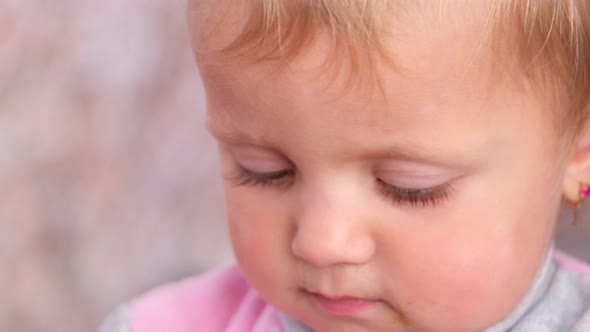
[[583, 192]]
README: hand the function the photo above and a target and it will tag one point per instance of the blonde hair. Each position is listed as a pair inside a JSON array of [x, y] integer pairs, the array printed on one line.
[[550, 38]]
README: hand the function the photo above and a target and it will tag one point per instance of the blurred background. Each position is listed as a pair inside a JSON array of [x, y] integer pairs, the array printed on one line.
[[108, 181]]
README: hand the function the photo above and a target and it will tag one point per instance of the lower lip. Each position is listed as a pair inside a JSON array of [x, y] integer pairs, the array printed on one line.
[[343, 306]]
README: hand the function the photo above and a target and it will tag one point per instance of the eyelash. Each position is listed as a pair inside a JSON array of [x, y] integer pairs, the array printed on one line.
[[426, 196], [398, 195], [248, 178]]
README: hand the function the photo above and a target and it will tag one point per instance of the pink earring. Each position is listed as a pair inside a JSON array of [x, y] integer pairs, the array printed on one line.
[[583, 192]]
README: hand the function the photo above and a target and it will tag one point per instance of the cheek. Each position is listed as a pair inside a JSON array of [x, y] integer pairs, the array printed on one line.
[[475, 263], [250, 225], [466, 277], [257, 231], [455, 284], [443, 288]]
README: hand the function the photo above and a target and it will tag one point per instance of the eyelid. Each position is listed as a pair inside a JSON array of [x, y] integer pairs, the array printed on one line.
[[259, 160], [414, 181]]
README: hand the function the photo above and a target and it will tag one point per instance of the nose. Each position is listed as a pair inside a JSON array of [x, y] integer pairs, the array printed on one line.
[[328, 232]]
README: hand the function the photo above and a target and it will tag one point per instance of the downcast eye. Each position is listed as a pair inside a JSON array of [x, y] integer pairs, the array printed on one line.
[[245, 177], [426, 196]]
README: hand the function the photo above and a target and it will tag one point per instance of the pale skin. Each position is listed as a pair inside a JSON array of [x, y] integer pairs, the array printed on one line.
[[460, 261]]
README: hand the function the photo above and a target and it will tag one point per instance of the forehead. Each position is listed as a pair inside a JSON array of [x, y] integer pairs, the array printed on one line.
[[435, 49], [428, 40], [444, 77]]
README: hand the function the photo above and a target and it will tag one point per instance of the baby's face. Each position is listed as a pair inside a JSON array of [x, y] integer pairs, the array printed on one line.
[[428, 210]]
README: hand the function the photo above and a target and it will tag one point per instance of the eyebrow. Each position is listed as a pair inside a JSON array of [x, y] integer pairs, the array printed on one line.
[[406, 151], [233, 135]]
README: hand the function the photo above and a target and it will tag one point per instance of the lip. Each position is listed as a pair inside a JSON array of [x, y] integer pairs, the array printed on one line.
[[343, 305]]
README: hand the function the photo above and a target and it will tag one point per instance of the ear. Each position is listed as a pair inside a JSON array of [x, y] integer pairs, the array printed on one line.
[[577, 170]]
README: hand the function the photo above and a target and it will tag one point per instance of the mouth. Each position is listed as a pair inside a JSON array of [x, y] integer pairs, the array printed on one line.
[[342, 305]]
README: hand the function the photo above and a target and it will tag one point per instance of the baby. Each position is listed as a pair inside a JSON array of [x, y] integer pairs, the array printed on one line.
[[390, 166]]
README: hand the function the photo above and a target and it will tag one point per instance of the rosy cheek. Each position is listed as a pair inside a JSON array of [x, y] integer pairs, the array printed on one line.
[[452, 284], [254, 228], [247, 231], [258, 234], [449, 283], [464, 290]]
